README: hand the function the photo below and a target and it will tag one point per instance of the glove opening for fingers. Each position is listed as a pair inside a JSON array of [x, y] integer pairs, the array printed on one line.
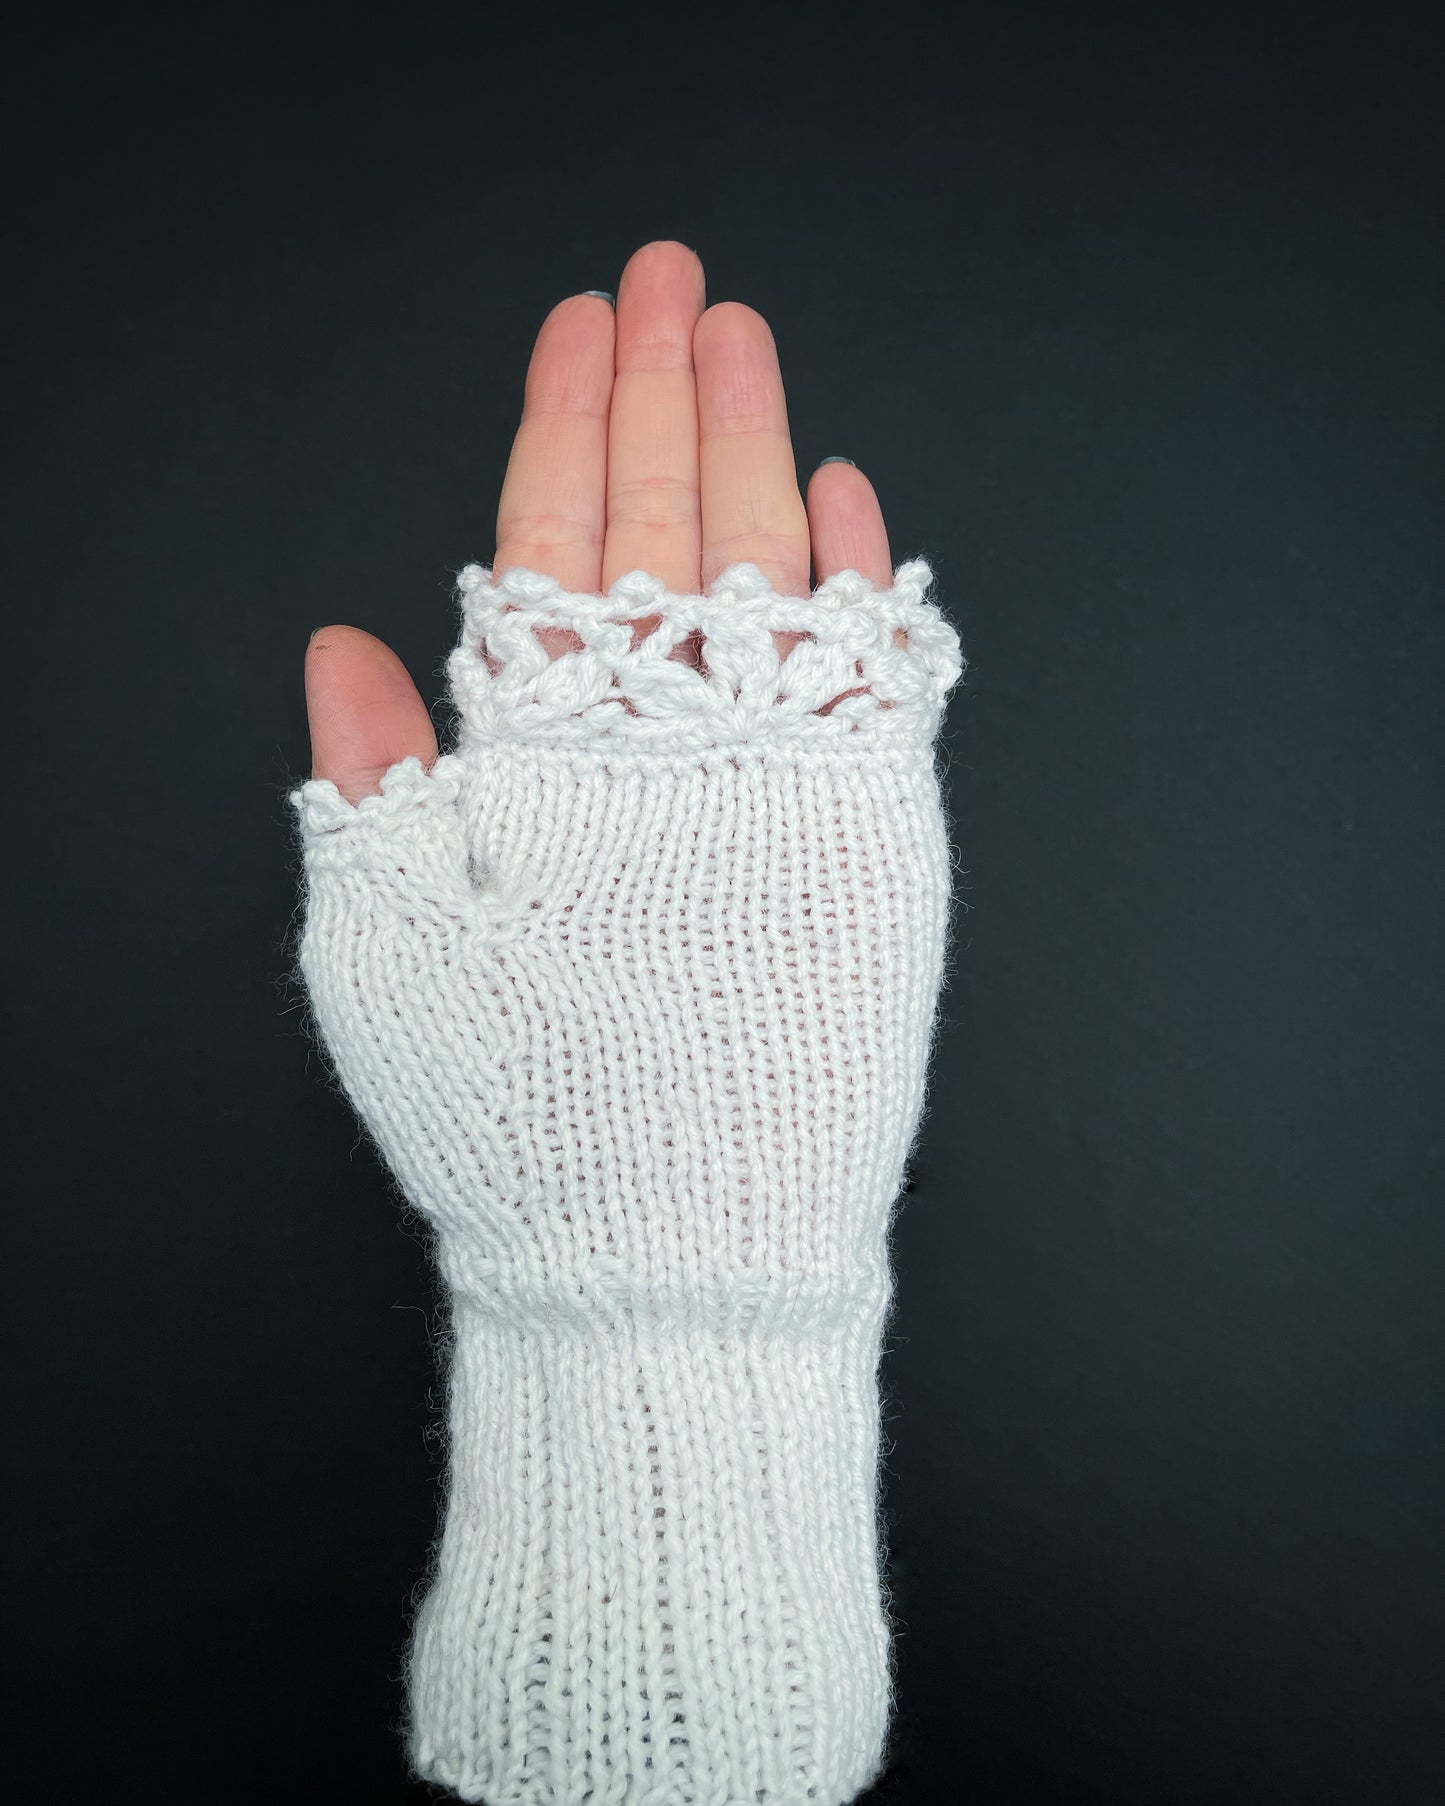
[[645, 669]]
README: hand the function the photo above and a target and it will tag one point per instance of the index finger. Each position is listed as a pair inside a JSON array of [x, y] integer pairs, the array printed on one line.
[[552, 515]]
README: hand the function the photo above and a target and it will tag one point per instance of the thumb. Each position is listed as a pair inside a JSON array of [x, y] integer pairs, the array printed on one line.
[[365, 712]]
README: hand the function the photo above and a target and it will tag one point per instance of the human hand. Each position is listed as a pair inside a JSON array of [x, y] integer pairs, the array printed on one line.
[[632, 990], [654, 438]]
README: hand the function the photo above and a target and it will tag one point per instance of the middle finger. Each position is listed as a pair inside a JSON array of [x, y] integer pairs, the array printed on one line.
[[654, 518]]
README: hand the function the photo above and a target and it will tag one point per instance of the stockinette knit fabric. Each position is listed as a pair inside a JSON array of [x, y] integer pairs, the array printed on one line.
[[634, 991]]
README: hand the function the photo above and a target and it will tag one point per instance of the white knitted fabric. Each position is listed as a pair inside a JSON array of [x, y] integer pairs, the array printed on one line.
[[634, 991]]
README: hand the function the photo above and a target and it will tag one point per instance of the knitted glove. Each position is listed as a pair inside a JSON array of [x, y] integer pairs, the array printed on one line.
[[634, 992]]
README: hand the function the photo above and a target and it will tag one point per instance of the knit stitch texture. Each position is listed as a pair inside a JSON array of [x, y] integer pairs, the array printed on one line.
[[634, 991]]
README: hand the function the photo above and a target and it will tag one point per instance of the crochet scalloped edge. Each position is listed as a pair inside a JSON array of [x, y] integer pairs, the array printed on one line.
[[738, 582], [406, 787], [865, 658]]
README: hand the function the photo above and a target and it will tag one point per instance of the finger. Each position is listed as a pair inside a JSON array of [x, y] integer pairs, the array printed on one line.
[[848, 532], [552, 514], [751, 508], [366, 714], [654, 517], [846, 524]]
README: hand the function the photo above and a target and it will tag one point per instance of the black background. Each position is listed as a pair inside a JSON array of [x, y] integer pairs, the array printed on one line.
[[1134, 320]]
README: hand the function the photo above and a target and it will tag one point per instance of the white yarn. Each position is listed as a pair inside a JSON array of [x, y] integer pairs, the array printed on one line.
[[634, 991]]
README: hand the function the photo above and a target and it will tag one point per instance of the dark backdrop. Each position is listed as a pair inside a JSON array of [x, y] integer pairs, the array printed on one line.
[[1134, 321]]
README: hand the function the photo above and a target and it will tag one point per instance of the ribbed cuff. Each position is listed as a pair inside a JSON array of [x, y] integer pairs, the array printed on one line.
[[659, 1579]]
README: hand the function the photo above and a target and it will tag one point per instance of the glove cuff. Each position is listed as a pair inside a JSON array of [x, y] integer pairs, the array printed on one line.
[[659, 1577]]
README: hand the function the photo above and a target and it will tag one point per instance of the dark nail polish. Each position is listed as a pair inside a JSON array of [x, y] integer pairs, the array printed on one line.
[[837, 461], [601, 294]]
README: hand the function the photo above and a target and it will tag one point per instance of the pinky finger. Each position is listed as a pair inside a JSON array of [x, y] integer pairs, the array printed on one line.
[[845, 523]]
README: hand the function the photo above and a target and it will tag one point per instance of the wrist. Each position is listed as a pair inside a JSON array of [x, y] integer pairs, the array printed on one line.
[[659, 1561]]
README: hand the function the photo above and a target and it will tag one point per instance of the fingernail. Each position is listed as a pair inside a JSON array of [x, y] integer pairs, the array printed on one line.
[[314, 632], [601, 294], [837, 461]]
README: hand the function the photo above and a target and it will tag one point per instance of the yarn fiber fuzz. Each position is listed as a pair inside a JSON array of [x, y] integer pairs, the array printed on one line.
[[634, 992]]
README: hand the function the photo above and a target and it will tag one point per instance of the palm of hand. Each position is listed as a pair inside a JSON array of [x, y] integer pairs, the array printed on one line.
[[653, 437]]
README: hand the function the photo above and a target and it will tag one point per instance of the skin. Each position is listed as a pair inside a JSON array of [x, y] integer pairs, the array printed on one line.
[[653, 437]]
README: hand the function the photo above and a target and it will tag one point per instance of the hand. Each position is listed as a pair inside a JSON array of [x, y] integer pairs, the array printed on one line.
[[654, 438]]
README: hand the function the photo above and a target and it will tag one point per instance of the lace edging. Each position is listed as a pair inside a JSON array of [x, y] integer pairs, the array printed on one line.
[[869, 660]]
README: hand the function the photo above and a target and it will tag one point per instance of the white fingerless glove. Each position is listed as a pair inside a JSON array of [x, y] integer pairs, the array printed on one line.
[[634, 991]]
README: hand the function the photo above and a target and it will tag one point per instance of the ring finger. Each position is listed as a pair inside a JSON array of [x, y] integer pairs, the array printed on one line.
[[752, 511], [552, 514]]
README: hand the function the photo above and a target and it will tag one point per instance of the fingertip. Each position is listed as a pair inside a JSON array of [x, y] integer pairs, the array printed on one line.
[[733, 327], [666, 256]]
